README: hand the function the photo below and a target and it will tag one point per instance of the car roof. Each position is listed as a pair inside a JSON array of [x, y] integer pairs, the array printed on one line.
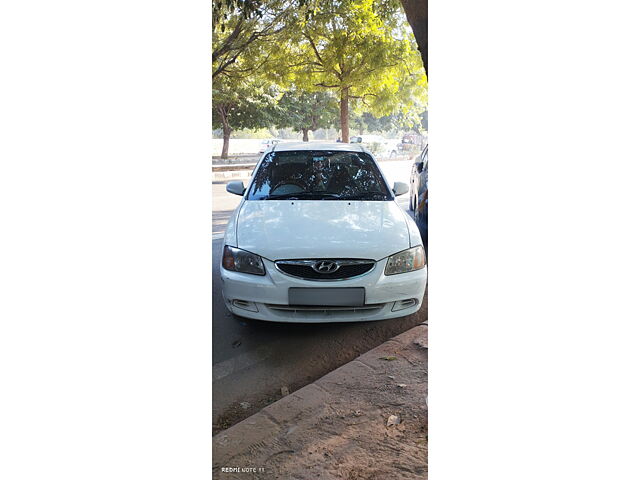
[[293, 146]]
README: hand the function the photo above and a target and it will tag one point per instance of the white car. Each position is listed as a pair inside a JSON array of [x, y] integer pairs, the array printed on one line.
[[318, 237]]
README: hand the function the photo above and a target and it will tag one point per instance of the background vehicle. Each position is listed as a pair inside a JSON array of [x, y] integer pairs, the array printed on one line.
[[378, 145], [419, 192], [268, 143], [412, 142]]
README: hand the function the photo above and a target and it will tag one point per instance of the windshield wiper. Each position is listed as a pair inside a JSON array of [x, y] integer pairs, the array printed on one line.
[[283, 196], [303, 196], [367, 196]]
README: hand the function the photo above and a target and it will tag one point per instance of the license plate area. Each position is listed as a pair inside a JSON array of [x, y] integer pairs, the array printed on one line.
[[329, 297]]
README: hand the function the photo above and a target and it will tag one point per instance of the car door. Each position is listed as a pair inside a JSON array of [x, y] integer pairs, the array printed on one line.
[[422, 207]]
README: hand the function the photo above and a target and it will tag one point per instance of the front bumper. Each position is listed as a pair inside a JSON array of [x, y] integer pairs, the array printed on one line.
[[266, 297]]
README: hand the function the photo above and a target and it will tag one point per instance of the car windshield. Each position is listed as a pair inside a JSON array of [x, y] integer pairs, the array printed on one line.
[[318, 175]]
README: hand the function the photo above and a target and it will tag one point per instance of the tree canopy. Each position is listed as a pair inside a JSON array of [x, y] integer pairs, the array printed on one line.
[[241, 51], [290, 63], [305, 111], [416, 11], [361, 53]]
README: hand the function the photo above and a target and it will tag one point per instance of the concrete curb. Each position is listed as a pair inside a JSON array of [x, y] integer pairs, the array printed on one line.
[[225, 167], [336, 427]]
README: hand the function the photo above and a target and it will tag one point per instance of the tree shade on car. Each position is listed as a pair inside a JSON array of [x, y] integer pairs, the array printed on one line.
[[318, 175]]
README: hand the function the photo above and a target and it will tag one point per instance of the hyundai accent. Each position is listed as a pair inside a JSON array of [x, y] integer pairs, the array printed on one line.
[[318, 237]]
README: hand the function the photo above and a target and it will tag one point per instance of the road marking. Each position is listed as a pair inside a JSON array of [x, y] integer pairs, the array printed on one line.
[[218, 236]]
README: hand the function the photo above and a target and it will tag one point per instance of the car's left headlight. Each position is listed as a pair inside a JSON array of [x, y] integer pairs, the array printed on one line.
[[406, 261], [237, 260]]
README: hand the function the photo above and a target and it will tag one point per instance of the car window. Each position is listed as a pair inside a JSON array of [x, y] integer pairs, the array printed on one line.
[[325, 175]]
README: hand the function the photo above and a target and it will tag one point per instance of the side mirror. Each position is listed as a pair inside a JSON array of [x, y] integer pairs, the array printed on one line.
[[419, 166], [400, 188], [236, 187]]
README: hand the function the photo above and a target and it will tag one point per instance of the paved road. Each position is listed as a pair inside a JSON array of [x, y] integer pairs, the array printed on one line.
[[224, 204], [252, 360]]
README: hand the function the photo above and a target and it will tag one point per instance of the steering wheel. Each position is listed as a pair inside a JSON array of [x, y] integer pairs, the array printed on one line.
[[298, 187]]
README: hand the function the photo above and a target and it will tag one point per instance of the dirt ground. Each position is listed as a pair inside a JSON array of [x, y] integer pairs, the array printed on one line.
[[339, 427], [300, 355]]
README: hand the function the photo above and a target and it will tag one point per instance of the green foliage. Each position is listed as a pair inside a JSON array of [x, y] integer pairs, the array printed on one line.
[[415, 10], [261, 133], [285, 63], [241, 49], [394, 123], [302, 110], [243, 103], [241, 46], [223, 9], [370, 123], [366, 54], [345, 46]]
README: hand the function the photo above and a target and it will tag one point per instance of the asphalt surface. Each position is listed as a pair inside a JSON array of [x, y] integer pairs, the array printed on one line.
[[253, 360]]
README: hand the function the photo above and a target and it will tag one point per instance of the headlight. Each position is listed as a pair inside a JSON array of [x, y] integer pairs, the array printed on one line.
[[405, 261], [237, 260]]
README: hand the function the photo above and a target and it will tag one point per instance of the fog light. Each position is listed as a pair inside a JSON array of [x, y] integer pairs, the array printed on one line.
[[402, 304], [244, 305]]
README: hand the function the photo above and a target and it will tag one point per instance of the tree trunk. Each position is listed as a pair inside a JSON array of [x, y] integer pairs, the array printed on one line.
[[226, 134], [344, 114], [226, 131], [417, 15], [305, 134]]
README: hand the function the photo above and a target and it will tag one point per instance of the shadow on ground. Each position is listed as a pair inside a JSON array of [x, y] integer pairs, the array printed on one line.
[[277, 355]]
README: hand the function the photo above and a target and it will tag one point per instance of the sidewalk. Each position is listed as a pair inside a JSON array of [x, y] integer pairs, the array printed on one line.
[[342, 426]]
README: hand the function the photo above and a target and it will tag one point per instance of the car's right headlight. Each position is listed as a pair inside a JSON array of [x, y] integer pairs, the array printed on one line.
[[406, 261], [237, 260]]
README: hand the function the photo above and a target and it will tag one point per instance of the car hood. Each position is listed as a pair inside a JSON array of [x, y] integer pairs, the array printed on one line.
[[296, 229]]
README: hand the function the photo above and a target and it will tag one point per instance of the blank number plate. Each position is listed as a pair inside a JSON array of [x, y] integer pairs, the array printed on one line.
[[329, 297]]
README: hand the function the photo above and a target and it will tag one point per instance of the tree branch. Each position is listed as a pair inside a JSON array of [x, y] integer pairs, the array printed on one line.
[[228, 42], [228, 47], [315, 49]]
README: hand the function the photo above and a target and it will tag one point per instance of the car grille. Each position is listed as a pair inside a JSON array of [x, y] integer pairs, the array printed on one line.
[[323, 308], [318, 311], [346, 268]]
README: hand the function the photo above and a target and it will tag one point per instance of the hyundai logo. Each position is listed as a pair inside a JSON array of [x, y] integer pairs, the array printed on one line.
[[325, 266]]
